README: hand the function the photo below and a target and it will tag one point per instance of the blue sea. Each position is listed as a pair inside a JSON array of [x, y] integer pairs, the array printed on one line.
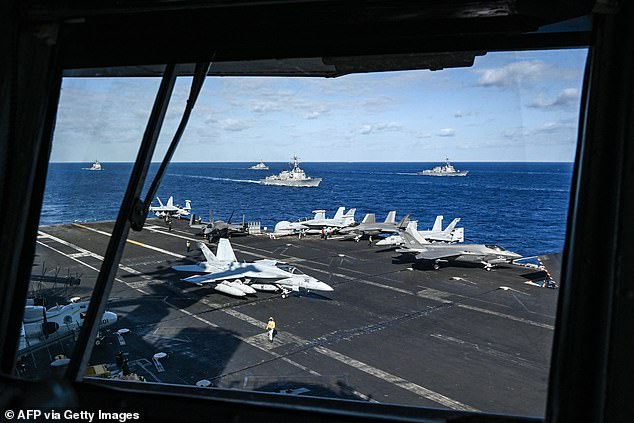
[[520, 206]]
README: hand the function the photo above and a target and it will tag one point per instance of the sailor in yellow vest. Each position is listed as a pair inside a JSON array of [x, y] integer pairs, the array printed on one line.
[[270, 327]]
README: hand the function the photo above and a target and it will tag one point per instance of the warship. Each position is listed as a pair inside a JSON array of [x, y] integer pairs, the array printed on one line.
[[260, 166], [446, 170], [292, 178]]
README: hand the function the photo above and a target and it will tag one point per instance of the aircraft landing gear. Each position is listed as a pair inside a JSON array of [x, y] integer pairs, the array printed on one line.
[[436, 266], [99, 338]]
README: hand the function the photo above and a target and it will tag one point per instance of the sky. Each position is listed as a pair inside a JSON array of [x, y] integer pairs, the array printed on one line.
[[510, 106]]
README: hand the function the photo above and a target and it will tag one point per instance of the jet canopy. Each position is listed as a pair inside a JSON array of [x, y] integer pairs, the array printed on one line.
[[495, 247], [290, 269]]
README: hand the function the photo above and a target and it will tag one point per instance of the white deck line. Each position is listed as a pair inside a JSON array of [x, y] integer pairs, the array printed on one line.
[[245, 340], [366, 368]]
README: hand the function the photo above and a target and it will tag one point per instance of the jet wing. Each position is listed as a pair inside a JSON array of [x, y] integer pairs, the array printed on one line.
[[192, 268], [436, 255], [233, 274], [267, 262], [407, 250]]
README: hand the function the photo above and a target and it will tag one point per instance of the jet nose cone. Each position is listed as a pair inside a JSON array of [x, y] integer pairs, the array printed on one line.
[[321, 286], [109, 318]]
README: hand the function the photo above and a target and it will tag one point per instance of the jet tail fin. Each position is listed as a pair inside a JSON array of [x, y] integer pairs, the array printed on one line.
[[160, 202], [348, 218], [437, 224], [339, 213], [225, 251], [450, 227], [209, 256], [170, 201], [369, 218], [412, 238], [319, 214], [402, 224], [188, 205], [391, 217]]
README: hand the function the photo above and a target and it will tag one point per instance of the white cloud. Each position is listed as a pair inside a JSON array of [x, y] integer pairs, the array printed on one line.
[[233, 125], [559, 127], [447, 132], [568, 97], [317, 112], [512, 74], [265, 106], [380, 127], [551, 127]]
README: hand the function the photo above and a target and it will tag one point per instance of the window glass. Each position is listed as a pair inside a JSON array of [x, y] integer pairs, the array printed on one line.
[[279, 204]]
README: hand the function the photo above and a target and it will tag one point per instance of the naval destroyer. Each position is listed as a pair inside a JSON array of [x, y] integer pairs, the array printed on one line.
[[260, 166], [446, 170], [292, 178], [95, 166]]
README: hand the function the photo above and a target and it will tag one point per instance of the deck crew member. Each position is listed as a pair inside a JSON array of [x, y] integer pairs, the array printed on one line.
[[189, 246], [270, 327]]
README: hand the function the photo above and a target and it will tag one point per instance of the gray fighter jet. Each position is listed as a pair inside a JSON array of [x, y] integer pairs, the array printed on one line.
[[318, 223], [369, 226], [225, 271], [436, 234], [488, 255]]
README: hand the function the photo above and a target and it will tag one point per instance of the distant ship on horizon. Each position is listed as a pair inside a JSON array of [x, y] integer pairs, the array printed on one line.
[[95, 166], [446, 170], [260, 166]]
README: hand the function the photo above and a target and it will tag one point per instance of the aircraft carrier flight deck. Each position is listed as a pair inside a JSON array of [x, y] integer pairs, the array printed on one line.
[[459, 337]]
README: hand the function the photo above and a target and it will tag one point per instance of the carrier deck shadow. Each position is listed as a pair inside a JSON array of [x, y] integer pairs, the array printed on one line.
[[460, 337]]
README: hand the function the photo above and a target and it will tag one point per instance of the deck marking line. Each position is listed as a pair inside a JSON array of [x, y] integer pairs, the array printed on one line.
[[90, 254], [373, 371], [398, 381], [131, 241], [246, 340]]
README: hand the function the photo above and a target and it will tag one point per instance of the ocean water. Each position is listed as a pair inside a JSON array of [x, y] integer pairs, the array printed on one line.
[[520, 206]]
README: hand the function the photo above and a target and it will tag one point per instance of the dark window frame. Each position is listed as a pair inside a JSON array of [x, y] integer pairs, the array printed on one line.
[[590, 361]]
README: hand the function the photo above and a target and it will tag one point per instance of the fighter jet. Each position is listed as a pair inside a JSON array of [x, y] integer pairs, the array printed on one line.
[[369, 226], [487, 255], [436, 234], [221, 229], [170, 210], [216, 229], [41, 326], [226, 271], [317, 223]]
